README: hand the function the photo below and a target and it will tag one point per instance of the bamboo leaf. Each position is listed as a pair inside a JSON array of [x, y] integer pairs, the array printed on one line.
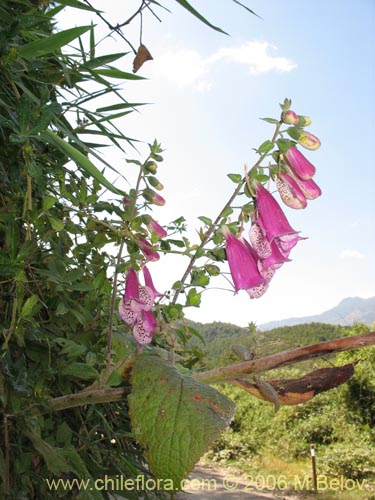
[[54, 42], [116, 73], [80, 159], [78, 5], [195, 13]]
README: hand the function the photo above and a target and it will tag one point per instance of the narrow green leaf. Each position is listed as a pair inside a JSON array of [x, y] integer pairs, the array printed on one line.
[[116, 73], [199, 16], [116, 107], [54, 42], [270, 120], [96, 62], [79, 5], [247, 8], [175, 417], [80, 159]]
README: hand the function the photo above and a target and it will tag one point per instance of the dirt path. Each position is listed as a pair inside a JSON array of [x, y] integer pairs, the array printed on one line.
[[214, 483]]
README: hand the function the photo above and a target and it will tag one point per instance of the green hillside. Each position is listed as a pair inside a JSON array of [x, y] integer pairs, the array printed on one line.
[[219, 338]]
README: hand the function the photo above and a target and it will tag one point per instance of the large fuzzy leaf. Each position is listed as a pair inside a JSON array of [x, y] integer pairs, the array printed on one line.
[[175, 417]]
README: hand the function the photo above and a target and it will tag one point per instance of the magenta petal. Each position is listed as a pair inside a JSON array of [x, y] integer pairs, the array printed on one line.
[[309, 188], [259, 241], [147, 250], [149, 283], [132, 286], [276, 258], [257, 291], [272, 217], [154, 226], [299, 165], [290, 192], [126, 313], [242, 262]]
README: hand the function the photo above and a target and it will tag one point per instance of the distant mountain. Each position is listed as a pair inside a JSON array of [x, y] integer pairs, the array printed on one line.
[[347, 312]]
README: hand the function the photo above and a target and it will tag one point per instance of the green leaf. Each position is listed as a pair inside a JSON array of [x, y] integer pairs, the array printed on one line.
[[54, 457], [116, 73], [270, 120], [265, 147], [193, 298], [48, 202], [78, 5], [28, 309], [205, 220], [54, 42], [57, 225], [80, 159], [237, 178], [175, 417], [80, 370], [199, 16]]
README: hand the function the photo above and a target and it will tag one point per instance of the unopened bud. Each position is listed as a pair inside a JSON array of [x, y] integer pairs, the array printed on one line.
[[155, 183], [303, 121], [289, 117], [151, 167], [153, 197]]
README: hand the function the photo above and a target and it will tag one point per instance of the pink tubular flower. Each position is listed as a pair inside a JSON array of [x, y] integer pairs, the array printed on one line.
[[273, 220], [147, 250], [136, 306], [274, 223], [153, 197], [290, 192], [242, 261], [299, 165], [309, 188], [153, 226]]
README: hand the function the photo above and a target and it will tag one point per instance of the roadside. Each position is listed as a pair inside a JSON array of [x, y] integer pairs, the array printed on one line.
[[208, 482]]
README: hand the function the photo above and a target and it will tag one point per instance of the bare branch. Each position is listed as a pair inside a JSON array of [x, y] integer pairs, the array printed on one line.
[[286, 358]]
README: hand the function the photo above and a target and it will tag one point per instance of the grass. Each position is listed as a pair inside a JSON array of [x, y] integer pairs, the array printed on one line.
[[294, 480]]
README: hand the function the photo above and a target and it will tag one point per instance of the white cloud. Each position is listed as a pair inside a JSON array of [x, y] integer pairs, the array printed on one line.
[[188, 68], [351, 254], [255, 55]]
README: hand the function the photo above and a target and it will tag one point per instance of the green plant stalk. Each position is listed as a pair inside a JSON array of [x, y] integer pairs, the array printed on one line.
[[214, 224], [115, 281]]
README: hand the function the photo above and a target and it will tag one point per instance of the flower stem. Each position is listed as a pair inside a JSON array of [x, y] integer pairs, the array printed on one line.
[[214, 224], [115, 281]]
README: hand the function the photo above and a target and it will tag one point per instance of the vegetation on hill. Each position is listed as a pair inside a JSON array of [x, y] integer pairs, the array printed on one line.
[[340, 423]]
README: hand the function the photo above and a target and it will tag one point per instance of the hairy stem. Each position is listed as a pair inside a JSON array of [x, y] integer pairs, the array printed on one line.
[[214, 224]]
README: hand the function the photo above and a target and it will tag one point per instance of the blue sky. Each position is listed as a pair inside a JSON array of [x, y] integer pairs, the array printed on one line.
[[208, 92]]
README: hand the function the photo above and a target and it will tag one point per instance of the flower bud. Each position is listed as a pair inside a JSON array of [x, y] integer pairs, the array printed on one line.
[[151, 167], [306, 139], [289, 117], [153, 197], [303, 121], [155, 183]]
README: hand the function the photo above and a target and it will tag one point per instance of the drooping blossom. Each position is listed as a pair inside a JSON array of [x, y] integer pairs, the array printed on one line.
[[269, 253], [273, 222], [148, 251], [154, 226], [136, 306], [310, 189], [299, 165], [242, 261], [290, 192]]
